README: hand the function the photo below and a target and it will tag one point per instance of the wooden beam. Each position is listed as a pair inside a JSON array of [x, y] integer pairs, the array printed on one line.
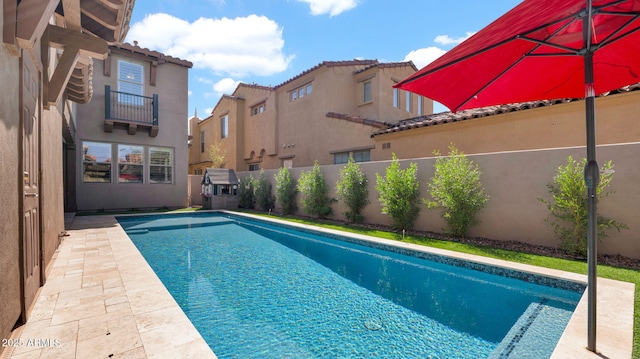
[[9, 26], [74, 45], [33, 17], [72, 17]]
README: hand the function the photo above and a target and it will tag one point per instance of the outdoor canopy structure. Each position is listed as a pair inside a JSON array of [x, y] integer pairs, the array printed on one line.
[[544, 50]]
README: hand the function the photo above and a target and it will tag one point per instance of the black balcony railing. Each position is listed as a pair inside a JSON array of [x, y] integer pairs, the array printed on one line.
[[126, 107]]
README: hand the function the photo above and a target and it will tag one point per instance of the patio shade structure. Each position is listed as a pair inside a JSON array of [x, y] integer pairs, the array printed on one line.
[[544, 50]]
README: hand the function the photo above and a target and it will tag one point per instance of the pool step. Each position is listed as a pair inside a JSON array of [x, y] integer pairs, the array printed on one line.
[[536, 325], [142, 227]]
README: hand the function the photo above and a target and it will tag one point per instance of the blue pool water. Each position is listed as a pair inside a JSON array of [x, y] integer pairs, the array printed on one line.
[[259, 290]]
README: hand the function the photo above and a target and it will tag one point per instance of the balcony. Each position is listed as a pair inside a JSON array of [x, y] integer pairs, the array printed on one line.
[[131, 112]]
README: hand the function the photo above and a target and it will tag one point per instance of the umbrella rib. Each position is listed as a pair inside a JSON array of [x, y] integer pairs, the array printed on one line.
[[613, 37]]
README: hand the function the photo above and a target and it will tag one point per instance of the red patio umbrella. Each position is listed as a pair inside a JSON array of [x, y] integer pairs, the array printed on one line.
[[544, 50]]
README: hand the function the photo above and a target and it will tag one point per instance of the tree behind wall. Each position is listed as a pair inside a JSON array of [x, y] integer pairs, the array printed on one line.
[[352, 188], [398, 193], [218, 155], [286, 191], [313, 188]]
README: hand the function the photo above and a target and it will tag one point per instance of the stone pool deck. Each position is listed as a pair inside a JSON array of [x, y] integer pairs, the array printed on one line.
[[102, 300]]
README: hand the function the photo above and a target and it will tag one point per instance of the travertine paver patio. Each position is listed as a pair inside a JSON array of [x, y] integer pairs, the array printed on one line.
[[102, 300]]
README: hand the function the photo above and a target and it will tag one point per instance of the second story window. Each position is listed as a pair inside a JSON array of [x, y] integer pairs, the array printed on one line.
[[301, 92], [201, 141], [254, 167], [224, 126], [258, 109], [130, 82], [396, 99], [420, 100], [408, 102], [366, 91]]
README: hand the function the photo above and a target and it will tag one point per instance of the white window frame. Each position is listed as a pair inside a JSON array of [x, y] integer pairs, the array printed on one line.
[[408, 101], [130, 81], [396, 98], [224, 126], [102, 158], [367, 95], [167, 166]]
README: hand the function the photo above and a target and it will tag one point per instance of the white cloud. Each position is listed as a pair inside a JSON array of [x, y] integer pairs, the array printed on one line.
[[238, 47], [225, 86], [331, 7], [423, 57], [447, 40]]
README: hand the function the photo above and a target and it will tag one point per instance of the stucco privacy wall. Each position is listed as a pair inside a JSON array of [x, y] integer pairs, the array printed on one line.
[[514, 181], [9, 193]]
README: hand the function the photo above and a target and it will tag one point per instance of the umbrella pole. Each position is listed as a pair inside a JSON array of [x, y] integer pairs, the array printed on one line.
[[592, 178]]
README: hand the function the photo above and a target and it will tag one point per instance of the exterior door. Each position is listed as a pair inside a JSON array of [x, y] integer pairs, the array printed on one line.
[[31, 257]]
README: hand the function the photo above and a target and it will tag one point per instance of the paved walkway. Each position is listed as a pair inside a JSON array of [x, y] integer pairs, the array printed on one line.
[[102, 300]]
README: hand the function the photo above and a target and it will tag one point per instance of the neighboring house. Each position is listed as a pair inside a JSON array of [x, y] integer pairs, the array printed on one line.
[[132, 141], [46, 69], [326, 113], [513, 127]]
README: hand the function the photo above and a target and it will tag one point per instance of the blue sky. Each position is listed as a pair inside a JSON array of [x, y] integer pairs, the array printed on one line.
[[269, 41]]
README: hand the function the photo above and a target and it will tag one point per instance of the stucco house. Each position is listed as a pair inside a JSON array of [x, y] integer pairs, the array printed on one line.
[[327, 113], [131, 137], [513, 127], [47, 66]]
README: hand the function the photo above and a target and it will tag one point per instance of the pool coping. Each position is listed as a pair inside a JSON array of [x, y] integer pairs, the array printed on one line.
[[142, 320]]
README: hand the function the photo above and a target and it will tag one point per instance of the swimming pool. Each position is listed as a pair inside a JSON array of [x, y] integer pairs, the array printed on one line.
[[255, 289]]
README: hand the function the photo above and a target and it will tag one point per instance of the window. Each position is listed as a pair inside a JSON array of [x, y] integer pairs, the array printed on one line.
[[254, 167], [160, 165], [224, 126], [362, 156], [396, 99], [258, 109], [408, 102], [130, 163], [420, 99], [130, 83], [96, 164], [301, 92], [366, 90], [201, 141], [288, 163], [341, 157], [386, 145]]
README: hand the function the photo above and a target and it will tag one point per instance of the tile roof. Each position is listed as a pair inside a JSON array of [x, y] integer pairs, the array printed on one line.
[[358, 119], [387, 65], [448, 117], [151, 53], [330, 64]]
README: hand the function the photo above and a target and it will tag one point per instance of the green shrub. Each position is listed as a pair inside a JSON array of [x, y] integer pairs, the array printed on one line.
[[569, 205], [286, 191], [352, 188], [246, 198], [313, 188], [456, 188], [398, 193], [264, 198]]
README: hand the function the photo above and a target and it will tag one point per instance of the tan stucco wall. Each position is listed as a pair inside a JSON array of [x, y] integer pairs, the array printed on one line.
[[9, 193], [51, 190], [560, 125], [514, 181], [300, 130], [171, 87]]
